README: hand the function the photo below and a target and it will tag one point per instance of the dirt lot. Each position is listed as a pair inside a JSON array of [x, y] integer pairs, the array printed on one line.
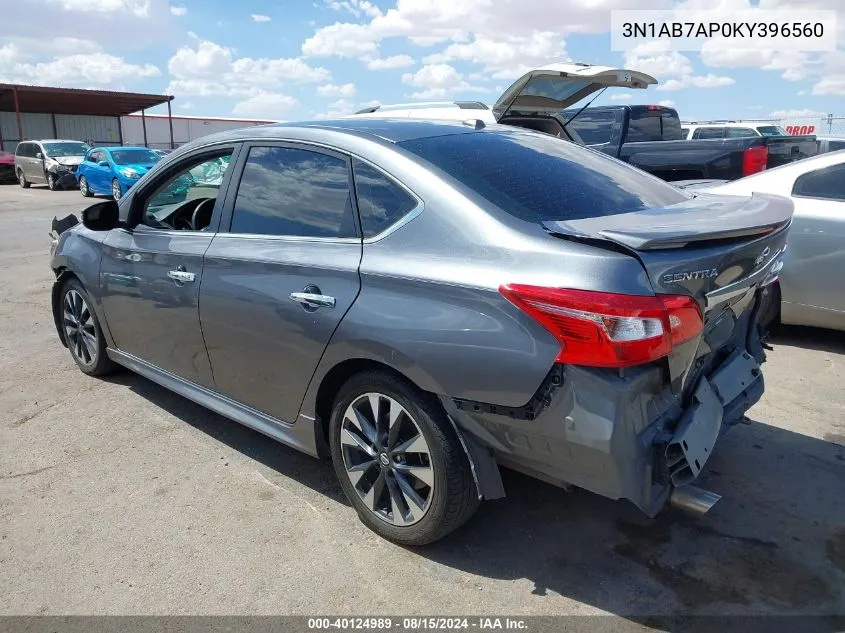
[[119, 497]]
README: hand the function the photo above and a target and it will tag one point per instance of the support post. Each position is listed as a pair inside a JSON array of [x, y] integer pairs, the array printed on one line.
[[170, 121], [144, 125], [120, 129], [17, 113], [55, 129]]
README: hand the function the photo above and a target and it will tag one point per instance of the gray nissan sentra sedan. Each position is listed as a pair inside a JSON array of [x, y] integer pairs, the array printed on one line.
[[424, 302]]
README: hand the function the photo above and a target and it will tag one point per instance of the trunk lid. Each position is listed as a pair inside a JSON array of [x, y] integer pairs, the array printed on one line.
[[718, 249], [700, 246], [555, 87]]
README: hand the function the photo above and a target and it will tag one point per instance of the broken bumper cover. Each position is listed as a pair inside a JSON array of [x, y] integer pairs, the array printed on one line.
[[622, 437]]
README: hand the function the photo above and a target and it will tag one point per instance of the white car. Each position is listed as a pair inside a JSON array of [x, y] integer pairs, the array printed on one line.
[[539, 94], [811, 288], [729, 129]]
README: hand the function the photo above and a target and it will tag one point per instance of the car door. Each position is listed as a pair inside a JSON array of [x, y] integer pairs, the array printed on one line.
[[812, 275], [100, 174], [281, 273], [151, 271], [87, 169], [35, 163]]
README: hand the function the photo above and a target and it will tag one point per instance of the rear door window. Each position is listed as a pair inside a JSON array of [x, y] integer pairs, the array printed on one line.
[[740, 132], [294, 192], [538, 178], [709, 132], [382, 202]]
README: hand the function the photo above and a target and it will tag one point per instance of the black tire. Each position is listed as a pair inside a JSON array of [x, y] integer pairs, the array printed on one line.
[[101, 364], [84, 189], [22, 181], [51, 182], [454, 498]]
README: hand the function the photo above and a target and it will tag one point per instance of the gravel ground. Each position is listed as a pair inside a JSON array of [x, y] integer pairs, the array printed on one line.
[[118, 497]]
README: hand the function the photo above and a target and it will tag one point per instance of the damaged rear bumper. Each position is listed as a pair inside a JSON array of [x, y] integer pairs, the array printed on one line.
[[623, 436]]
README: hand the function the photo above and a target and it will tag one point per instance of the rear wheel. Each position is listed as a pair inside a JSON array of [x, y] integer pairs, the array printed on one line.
[[83, 187], [116, 191], [82, 331], [22, 181], [399, 460]]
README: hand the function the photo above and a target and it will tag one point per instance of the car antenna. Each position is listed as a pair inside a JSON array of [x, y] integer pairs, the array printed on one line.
[[587, 105]]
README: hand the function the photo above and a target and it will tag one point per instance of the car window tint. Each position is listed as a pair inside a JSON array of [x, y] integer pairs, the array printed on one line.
[[593, 126], [645, 126], [195, 186], [709, 132], [536, 177], [294, 192], [828, 183], [832, 146], [381, 200], [740, 132]]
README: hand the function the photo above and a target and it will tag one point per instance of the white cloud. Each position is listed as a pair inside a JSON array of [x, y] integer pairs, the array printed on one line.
[[331, 90], [794, 114], [178, 10], [265, 105], [386, 63], [794, 64], [91, 70], [438, 81], [211, 69], [257, 17], [832, 81], [621, 96], [667, 103], [358, 8], [140, 8], [340, 40], [187, 105], [697, 81], [339, 108], [505, 57]]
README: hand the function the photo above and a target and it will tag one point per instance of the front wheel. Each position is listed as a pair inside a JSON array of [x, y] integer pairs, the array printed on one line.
[[82, 330], [399, 460], [22, 181], [116, 191], [83, 187], [51, 182]]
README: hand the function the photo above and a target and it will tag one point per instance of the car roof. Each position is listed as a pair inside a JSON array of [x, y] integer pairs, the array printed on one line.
[[386, 130], [110, 148]]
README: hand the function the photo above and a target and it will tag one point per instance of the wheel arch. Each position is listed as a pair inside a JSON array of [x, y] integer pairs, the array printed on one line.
[[482, 463]]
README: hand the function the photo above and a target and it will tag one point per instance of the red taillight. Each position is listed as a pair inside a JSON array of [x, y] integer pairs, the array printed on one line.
[[601, 329], [754, 160]]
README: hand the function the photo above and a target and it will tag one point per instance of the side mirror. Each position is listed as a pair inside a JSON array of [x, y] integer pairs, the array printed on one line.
[[103, 163], [39, 155], [102, 216]]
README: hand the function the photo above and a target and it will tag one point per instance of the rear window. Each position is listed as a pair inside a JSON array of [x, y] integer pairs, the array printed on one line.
[[654, 125], [709, 132], [772, 130], [536, 178]]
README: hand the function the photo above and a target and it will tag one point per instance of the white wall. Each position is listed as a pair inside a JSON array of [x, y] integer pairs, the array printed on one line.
[[185, 129]]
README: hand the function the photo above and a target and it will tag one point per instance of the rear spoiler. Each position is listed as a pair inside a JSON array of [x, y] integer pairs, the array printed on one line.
[[705, 218]]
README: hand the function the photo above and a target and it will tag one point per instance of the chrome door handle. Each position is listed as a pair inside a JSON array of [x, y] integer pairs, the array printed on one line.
[[181, 276], [312, 300]]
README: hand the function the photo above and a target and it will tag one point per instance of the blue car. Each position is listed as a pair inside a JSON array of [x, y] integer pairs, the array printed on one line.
[[112, 170]]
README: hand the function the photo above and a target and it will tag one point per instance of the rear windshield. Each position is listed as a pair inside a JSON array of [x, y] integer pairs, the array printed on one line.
[[537, 178], [57, 150], [659, 124], [134, 156]]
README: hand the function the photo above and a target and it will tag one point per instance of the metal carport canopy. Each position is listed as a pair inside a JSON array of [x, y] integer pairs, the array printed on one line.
[[19, 98]]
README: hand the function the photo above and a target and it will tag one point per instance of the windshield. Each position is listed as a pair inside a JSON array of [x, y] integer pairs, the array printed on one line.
[[772, 130], [537, 178], [134, 156], [59, 150]]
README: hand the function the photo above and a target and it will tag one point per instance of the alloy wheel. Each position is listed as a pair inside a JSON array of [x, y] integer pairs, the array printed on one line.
[[80, 331], [51, 182], [22, 179], [115, 189], [83, 186], [387, 459]]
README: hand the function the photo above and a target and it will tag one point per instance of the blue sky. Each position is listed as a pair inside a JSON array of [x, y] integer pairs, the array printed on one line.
[[299, 59]]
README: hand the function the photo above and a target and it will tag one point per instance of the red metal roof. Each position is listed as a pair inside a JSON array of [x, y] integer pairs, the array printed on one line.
[[76, 101]]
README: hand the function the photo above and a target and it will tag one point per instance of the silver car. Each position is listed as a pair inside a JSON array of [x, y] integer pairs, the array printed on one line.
[[52, 162], [810, 290], [424, 302]]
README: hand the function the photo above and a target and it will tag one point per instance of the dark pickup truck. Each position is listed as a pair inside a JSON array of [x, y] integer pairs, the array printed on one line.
[[649, 137]]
